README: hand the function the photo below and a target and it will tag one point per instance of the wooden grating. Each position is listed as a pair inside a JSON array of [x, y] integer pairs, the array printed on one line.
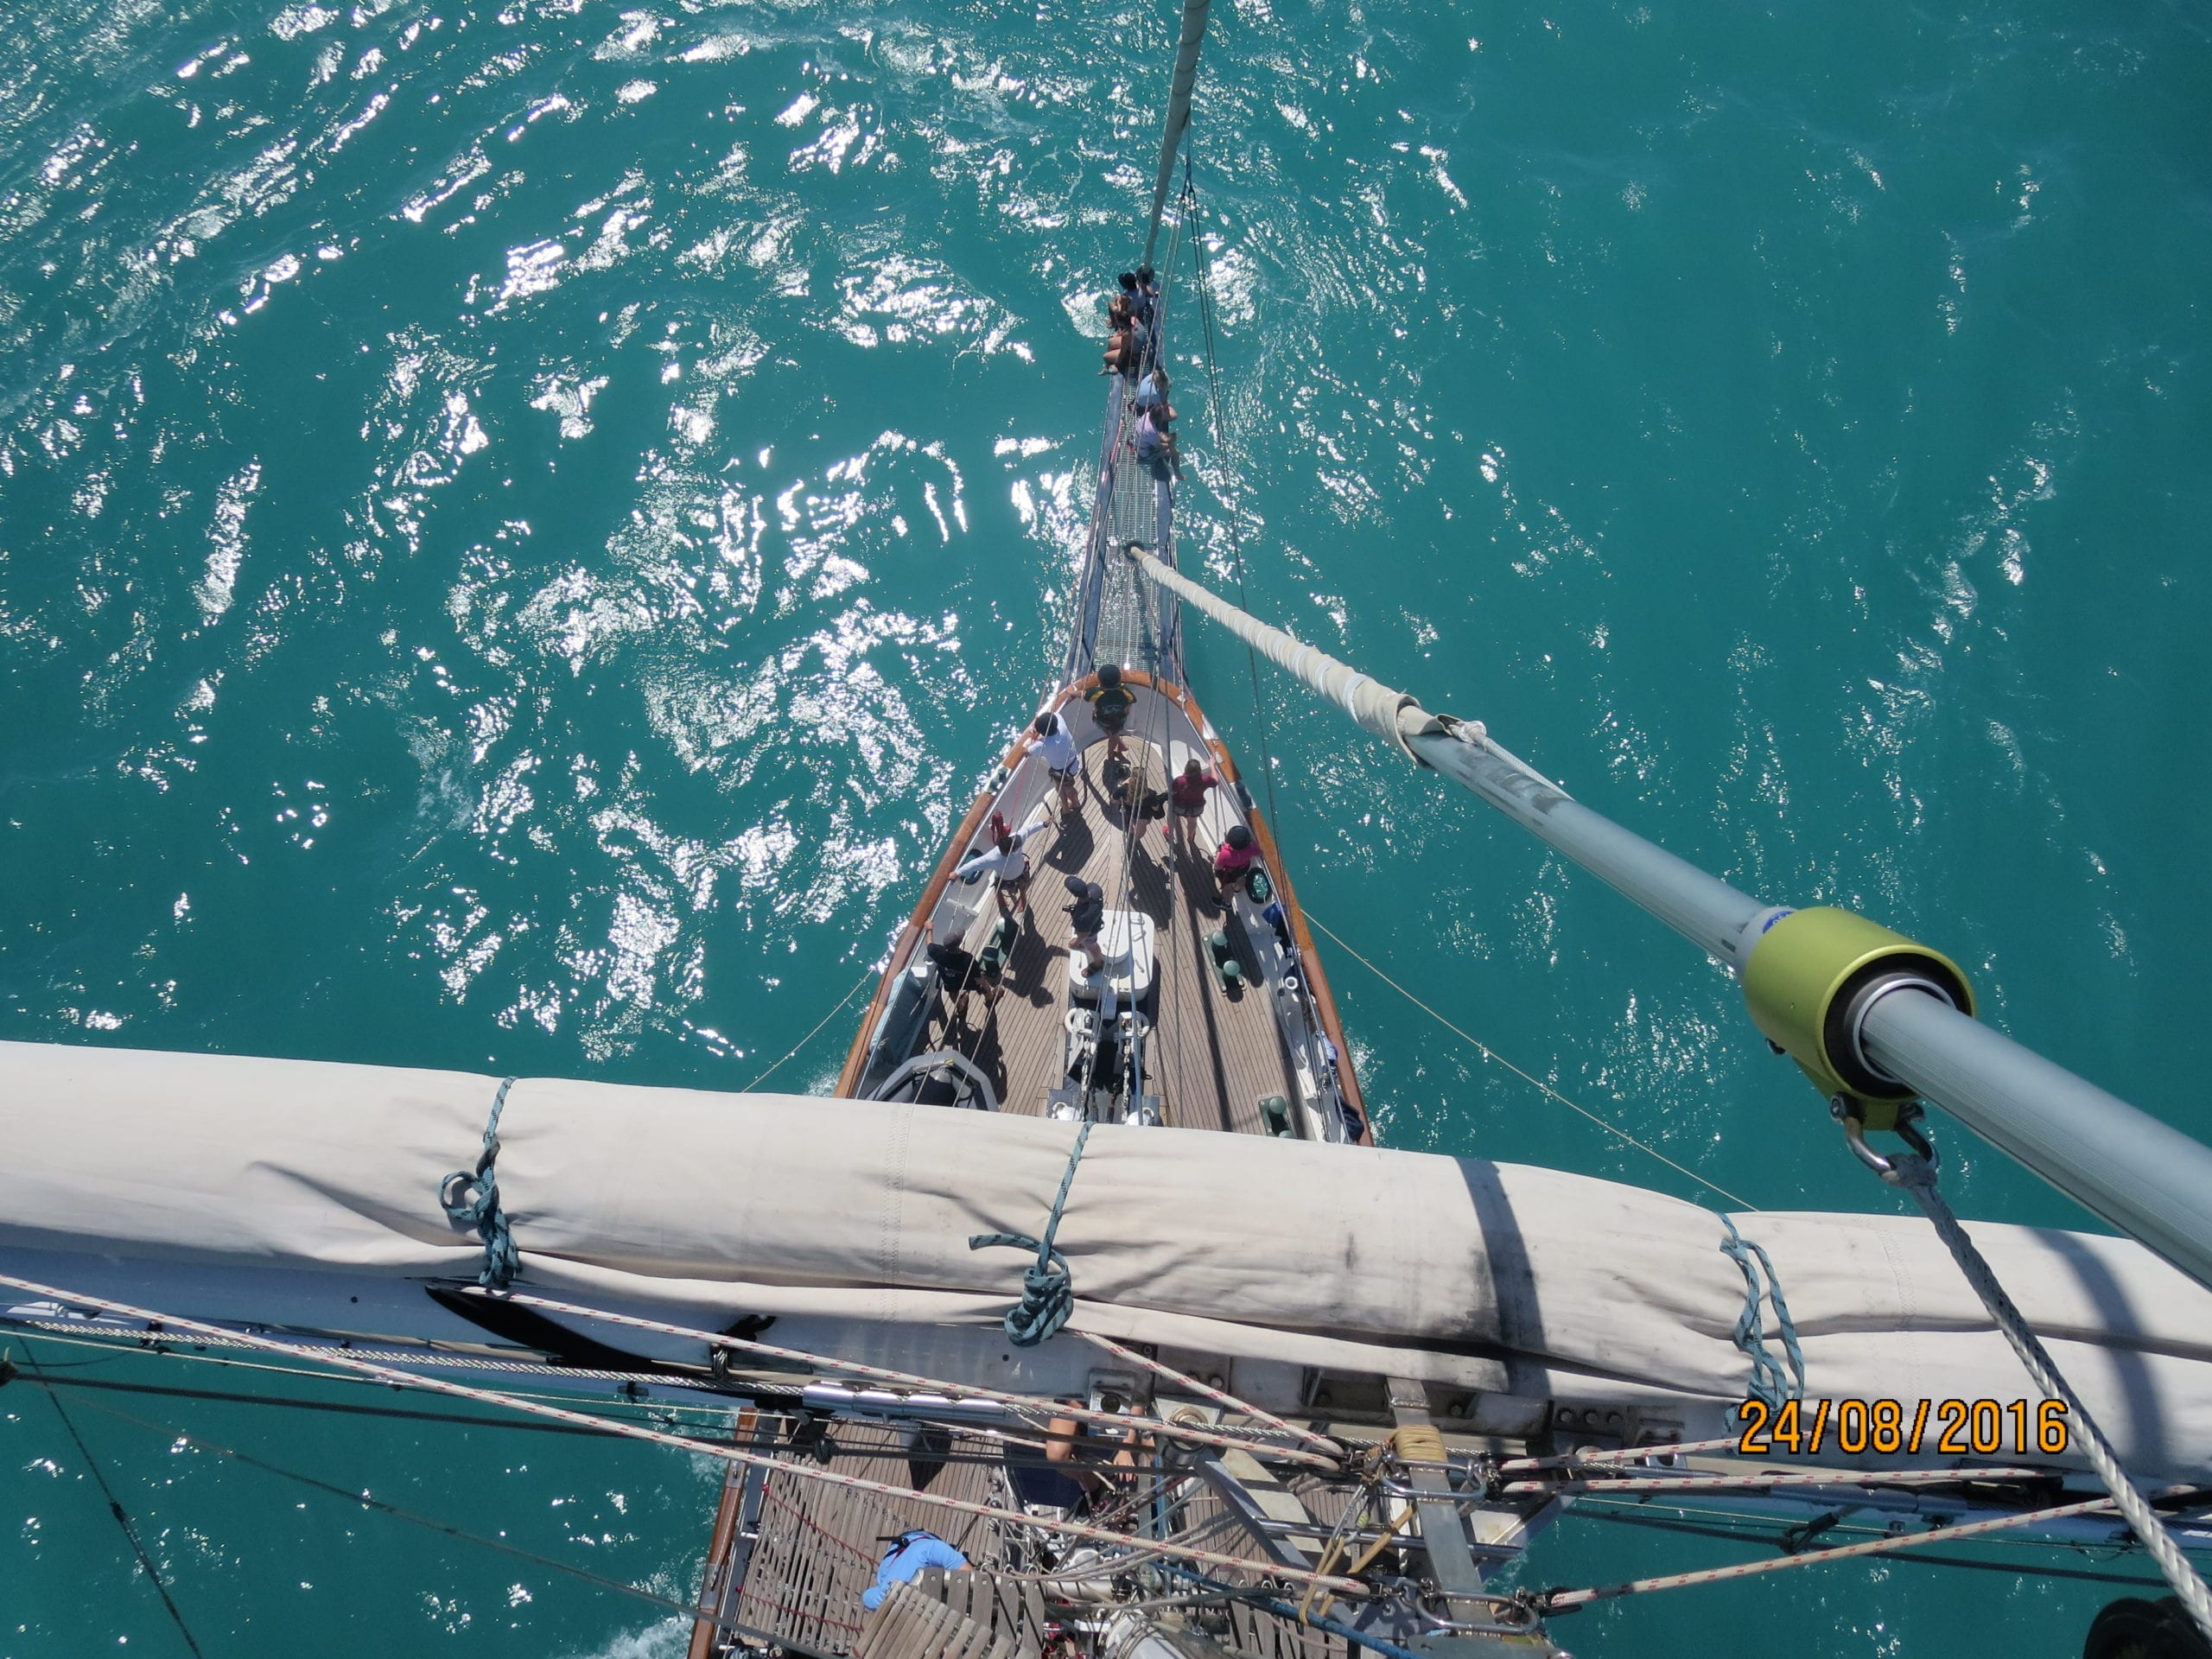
[[818, 1545]]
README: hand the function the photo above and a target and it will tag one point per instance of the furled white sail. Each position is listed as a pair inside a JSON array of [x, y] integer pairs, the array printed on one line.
[[1505, 1278]]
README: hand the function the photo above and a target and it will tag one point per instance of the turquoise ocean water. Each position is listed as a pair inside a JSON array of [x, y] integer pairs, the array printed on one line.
[[520, 529]]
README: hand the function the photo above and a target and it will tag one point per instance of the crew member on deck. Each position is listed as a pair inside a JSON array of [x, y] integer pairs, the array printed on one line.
[[1007, 860], [959, 973], [1110, 702], [1187, 796], [1233, 860], [910, 1553], [1056, 748], [1085, 916]]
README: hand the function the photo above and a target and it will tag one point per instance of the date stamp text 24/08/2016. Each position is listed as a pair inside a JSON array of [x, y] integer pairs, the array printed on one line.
[[1948, 1428]]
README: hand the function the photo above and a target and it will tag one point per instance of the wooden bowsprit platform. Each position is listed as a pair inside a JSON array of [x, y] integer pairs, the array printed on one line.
[[815, 1547], [974, 1615]]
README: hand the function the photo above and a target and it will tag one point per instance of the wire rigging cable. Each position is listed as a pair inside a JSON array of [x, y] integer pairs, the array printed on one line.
[[1490, 1053], [811, 1035], [1916, 1175], [1560, 1600], [405, 1379], [360, 1497], [115, 1506], [1203, 267], [1215, 1437]]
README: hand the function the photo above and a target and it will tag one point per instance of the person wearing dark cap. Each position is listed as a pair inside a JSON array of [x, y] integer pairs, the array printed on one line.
[[1234, 859], [1110, 702], [958, 973], [1085, 916], [1139, 295]]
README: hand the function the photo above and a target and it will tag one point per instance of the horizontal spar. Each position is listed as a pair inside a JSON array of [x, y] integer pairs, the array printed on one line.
[[1873, 1018]]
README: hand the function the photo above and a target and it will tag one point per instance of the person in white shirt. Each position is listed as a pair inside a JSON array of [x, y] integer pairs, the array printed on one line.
[[1007, 859], [1056, 748]]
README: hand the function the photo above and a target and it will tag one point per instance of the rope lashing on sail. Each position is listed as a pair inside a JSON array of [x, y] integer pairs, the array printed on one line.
[[1770, 1384], [471, 1198], [1916, 1175], [1047, 1288]]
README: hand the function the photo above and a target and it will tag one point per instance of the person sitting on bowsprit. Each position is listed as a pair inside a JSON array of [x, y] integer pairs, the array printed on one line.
[[1155, 441], [1128, 340], [1142, 299]]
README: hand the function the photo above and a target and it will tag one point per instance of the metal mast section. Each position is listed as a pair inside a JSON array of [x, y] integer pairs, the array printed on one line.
[[1877, 1021], [1178, 111]]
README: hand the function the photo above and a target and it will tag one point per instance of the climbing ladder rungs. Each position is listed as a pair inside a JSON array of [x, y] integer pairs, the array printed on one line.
[[954, 1615]]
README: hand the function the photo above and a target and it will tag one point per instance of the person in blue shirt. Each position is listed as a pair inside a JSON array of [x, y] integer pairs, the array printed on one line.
[[910, 1553]]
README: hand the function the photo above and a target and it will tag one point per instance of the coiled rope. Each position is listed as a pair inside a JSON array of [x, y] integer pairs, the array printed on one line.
[[471, 1198], [1770, 1384], [1917, 1177], [1047, 1288]]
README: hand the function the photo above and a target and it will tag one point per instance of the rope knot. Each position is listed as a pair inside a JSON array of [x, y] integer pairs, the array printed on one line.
[[471, 1201], [1770, 1384], [1047, 1286]]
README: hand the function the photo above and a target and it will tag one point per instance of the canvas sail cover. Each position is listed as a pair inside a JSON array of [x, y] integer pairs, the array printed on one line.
[[1499, 1277]]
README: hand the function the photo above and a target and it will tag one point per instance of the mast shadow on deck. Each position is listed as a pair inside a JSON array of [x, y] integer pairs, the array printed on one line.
[[1215, 1085], [1073, 844]]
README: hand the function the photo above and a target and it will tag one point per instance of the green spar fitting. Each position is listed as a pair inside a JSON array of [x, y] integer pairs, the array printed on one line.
[[1812, 976]]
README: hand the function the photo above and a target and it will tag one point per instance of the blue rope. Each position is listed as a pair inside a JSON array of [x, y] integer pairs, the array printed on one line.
[[471, 1199], [1770, 1383], [1048, 1290]]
